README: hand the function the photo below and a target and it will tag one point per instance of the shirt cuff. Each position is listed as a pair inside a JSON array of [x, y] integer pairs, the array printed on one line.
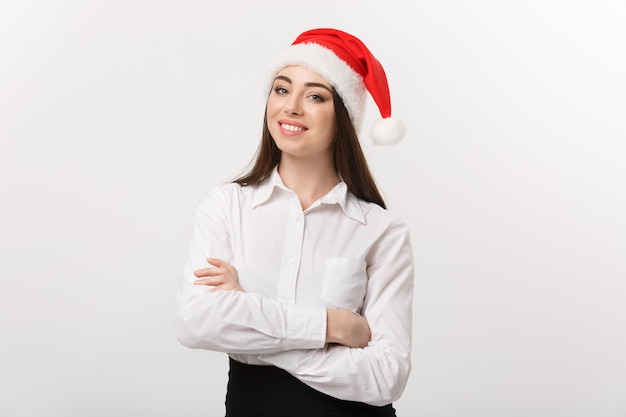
[[306, 327]]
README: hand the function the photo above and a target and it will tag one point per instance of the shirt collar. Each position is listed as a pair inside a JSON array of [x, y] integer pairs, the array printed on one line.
[[338, 195], [350, 205], [266, 188]]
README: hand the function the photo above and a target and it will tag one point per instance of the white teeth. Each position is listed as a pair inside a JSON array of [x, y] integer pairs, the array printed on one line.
[[292, 128]]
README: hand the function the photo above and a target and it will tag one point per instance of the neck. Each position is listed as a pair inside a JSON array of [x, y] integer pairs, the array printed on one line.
[[310, 180]]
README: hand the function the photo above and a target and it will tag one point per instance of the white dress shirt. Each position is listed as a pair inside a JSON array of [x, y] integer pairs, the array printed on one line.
[[341, 252]]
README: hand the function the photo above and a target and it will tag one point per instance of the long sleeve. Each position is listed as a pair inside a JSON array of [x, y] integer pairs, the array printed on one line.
[[232, 321], [376, 374]]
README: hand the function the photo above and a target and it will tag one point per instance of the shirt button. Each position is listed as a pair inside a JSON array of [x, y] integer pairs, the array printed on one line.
[[298, 218], [292, 260]]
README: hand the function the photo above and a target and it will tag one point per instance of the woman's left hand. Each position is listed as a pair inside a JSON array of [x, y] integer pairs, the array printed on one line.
[[222, 277]]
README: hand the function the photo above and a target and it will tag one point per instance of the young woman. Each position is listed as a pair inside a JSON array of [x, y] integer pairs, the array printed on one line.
[[297, 270]]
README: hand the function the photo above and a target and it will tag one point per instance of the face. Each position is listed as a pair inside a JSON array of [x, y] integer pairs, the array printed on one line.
[[301, 113]]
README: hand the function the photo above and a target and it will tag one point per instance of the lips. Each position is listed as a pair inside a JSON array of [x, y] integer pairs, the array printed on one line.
[[292, 128]]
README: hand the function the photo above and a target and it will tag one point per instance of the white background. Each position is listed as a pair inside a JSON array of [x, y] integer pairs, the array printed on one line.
[[117, 116]]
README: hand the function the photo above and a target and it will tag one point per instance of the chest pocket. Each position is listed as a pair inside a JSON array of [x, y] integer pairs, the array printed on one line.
[[344, 284]]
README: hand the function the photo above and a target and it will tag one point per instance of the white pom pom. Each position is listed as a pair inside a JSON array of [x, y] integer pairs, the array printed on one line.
[[387, 131]]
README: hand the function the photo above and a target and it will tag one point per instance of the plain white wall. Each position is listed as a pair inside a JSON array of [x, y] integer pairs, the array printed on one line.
[[117, 116]]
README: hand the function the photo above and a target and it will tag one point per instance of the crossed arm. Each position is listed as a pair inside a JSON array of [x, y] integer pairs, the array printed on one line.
[[342, 327]]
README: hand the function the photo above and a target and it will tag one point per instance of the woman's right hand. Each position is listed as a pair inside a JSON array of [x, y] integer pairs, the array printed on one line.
[[347, 328]]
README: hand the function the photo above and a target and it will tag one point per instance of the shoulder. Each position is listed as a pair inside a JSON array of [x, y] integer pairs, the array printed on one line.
[[387, 227], [224, 190], [388, 236], [375, 214], [221, 196]]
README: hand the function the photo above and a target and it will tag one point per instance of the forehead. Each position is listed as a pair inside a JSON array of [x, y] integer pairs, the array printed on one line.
[[300, 74]]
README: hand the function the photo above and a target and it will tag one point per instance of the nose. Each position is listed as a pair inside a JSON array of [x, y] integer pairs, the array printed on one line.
[[293, 106]]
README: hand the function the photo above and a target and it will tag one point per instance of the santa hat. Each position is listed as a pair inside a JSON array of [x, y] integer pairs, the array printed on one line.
[[346, 63]]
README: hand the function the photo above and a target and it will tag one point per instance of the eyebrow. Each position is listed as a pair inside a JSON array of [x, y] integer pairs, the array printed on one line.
[[309, 84]]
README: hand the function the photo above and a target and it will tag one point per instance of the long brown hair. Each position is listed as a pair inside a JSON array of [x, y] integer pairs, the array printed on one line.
[[350, 161]]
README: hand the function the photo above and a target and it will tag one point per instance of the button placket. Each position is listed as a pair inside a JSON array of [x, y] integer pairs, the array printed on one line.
[[290, 264]]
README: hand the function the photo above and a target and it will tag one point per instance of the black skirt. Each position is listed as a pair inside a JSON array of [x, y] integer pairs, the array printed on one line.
[[268, 391]]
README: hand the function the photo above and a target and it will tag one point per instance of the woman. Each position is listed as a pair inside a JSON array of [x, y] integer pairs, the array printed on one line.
[[296, 269]]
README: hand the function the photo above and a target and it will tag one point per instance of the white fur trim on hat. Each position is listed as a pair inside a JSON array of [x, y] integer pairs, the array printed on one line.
[[348, 83]]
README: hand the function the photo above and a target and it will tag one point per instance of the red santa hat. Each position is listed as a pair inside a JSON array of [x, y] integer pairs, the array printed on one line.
[[346, 63]]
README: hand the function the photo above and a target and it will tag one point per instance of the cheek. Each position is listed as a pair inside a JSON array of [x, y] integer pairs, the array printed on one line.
[[270, 114], [271, 118], [273, 105], [331, 122]]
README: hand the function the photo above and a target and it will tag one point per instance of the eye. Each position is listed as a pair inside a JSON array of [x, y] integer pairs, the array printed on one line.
[[316, 97], [280, 90]]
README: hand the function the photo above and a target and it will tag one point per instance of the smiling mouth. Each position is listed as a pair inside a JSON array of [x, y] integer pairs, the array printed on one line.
[[292, 128]]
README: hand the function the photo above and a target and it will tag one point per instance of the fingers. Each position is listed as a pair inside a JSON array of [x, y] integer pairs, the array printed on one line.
[[219, 267], [209, 281], [223, 265], [218, 262], [221, 276], [209, 272], [218, 284]]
